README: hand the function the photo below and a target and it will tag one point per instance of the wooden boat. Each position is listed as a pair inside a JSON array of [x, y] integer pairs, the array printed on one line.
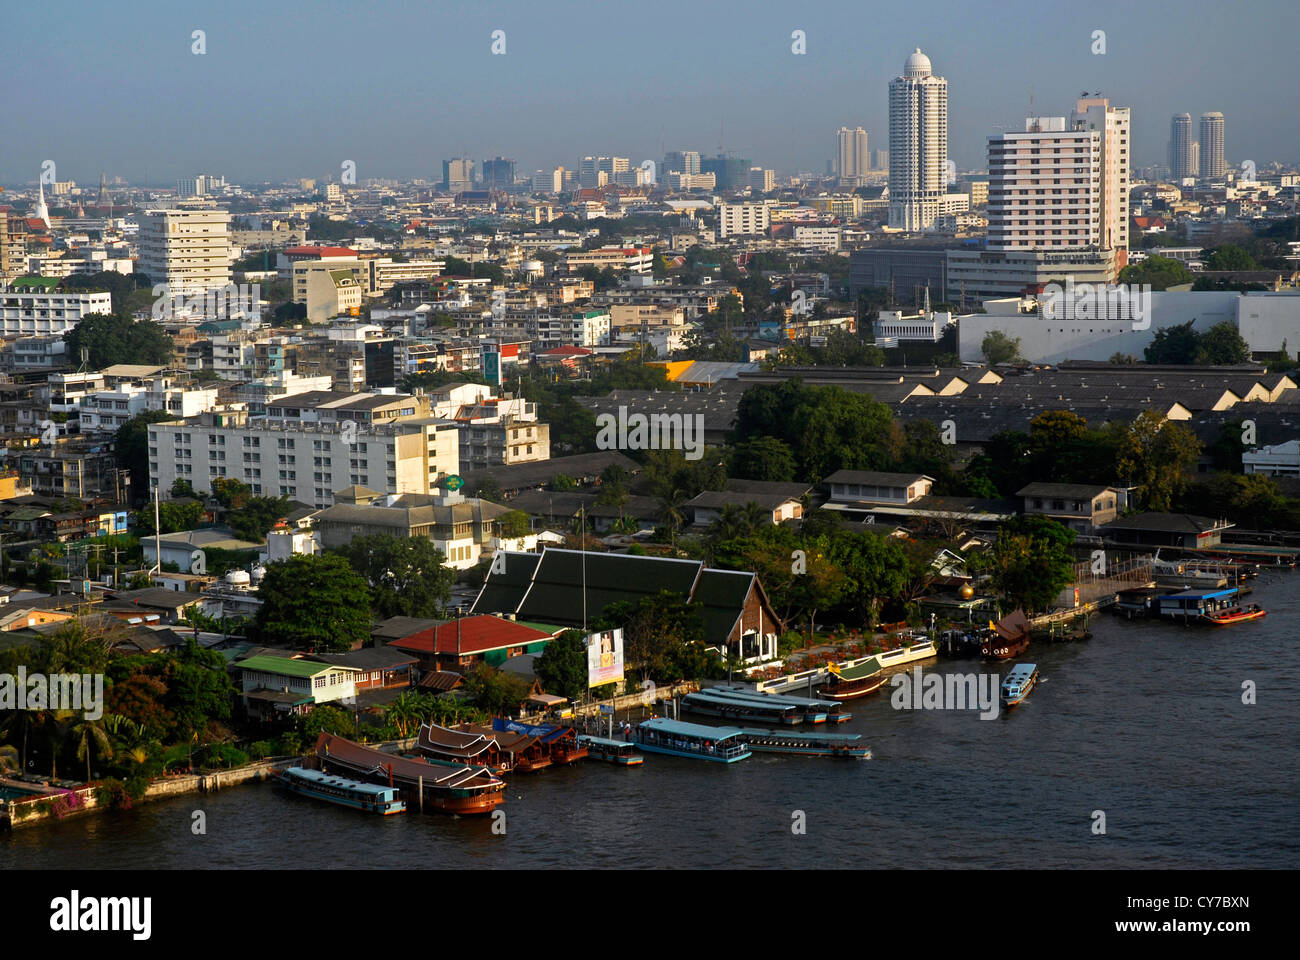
[[1018, 683], [811, 710], [1010, 637], [842, 746], [850, 683], [560, 742], [619, 752], [1226, 618], [460, 747], [465, 789], [368, 797], [710, 704], [524, 753]]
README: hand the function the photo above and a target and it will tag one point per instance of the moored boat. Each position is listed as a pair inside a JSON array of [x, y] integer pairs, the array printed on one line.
[[710, 704], [623, 753], [1226, 618], [461, 747], [367, 797], [463, 790], [692, 740], [1010, 637], [845, 746], [810, 709], [560, 742], [1017, 684], [849, 683]]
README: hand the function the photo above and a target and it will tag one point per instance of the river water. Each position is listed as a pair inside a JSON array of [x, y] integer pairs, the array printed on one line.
[[1144, 723]]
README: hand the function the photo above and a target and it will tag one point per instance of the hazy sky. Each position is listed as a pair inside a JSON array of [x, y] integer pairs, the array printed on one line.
[[291, 89]]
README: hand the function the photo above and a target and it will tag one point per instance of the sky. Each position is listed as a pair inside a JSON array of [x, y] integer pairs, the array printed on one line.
[[291, 89]]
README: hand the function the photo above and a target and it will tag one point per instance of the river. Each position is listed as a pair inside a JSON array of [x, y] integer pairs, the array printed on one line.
[[1145, 723]]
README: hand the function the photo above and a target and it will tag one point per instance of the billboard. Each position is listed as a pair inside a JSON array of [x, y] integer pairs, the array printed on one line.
[[604, 658]]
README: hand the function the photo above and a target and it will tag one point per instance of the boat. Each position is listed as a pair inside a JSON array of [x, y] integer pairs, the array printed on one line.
[[849, 683], [845, 746], [693, 740], [1192, 605], [560, 742], [1017, 684], [462, 748], [1227, 618], [711, 704], [368, 797], [462, 790], [1010, 637], [960, 643], [812, 710], [922, 649], [525, 754], [620, 752]]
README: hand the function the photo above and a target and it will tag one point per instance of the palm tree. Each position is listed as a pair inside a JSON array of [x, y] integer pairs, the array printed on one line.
[[90, 733], [56, 723], [671, 511], [9, 761]]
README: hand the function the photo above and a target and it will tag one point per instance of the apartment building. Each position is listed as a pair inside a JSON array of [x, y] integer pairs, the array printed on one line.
[[743, 219], [189, 250], [35, 307], [619, 259], [310, 445], [79, 467], [496, 432], [107, 410]]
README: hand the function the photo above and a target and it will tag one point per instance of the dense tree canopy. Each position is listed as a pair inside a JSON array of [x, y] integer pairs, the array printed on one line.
[[407, 575], [313, 602], [111, 339]]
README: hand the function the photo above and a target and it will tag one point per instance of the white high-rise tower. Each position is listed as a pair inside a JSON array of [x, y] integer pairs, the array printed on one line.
[[1212, 162], [918, 145]]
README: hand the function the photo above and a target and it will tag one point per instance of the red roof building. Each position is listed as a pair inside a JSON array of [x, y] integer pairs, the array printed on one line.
[[482, 638]]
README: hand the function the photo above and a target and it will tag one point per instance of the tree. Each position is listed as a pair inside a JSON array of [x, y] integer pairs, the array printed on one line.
[[111, 339], [1177, 344], [1030, 563], [562, 666], [131, 448], [1229, 256], [1156, 453], [514, 524], [90, 734], [1222, 345], [183, 488], [1157, 272], [313, 602], [407, 575], [496, 691], [763, 458], [998, 347]]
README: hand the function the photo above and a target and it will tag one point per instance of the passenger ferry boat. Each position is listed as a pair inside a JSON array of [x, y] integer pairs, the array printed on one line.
[[1017, 684], [448, 789], [922, 649], [844, 746], [711, 704], [368, 797], [620, 752], [694, 740], [849, 683], [812, 710], [462, 748], [1010, 637], [1227, 618]]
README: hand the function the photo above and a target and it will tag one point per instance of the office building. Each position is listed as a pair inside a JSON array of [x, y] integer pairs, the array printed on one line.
[[1213, 165], [1180, 148], [458, 175], [851, 151], [189, 250]]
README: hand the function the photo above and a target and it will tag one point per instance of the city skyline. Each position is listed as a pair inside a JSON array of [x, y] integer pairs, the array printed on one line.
[[247, 110]]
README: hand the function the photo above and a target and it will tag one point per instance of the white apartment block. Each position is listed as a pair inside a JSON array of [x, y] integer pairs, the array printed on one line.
[[189, 250], [107, 410], [691, 181], [823, 238], [37, 309], [918, 145], [853, 161], [631, 259], [591, 328], [1045, 187], [743, 219], [1114, 124], [305, 460]]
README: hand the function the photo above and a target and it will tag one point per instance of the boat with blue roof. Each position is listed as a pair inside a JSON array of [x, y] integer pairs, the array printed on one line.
[[693, 740], [367, 797], [1018, 683]]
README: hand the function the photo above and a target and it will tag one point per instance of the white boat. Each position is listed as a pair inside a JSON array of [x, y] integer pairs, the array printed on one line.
[[922, 649]]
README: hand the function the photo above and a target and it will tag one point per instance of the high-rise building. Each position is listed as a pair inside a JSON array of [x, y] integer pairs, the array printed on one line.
[[1114, 125], [880, 160], [189, 250], [762, 180], [590, 175], [1180, 147], [852, 152], [736, 219], [682, 161], [458, 175], [498, 173], [918, 145], [1044, 187], [549, 181], [1213, 164], [731, 173]]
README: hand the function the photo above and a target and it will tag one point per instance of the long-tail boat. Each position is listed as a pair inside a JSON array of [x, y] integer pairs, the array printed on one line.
[[467, 789], [849, 683], [1226, 618]]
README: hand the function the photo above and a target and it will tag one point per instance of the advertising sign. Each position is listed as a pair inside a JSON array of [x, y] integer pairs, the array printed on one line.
[[604, 658]]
